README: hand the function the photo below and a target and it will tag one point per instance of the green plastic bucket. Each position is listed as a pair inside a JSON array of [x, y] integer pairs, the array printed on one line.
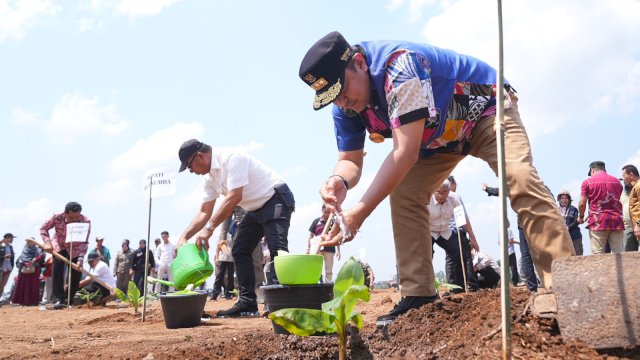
[[298, 269], [191, 266]]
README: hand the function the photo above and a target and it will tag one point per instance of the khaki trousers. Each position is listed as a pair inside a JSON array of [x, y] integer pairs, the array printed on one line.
[[600, 239], [540, 218], [328, 266]]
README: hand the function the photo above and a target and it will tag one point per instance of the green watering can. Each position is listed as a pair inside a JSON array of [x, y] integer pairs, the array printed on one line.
[[191, 266]]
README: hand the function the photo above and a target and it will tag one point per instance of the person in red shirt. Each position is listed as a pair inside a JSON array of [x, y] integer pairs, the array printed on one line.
[[605, 222]]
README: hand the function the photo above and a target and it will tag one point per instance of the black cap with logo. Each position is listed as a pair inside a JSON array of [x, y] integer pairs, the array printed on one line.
[[323, 68], [187, 149]]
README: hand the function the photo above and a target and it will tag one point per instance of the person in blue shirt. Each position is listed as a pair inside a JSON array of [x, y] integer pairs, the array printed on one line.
[[437, 106], [570, 214]]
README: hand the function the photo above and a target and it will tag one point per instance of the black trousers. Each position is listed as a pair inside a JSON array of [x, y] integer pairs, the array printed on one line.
[[488, 278], [59, 279], [513, 268], [271, 221], [93, 286], [224, 277], [453, 267], [138, 279]]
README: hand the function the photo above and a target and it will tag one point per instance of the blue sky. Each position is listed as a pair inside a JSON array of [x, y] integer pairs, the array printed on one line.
[[96, 93]]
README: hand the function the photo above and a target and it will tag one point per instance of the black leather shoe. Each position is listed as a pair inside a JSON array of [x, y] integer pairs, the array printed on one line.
[[240, 309], [406, 303], [59, 305]]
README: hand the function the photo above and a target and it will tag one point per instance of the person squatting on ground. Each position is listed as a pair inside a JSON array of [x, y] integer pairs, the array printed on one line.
[[605, 223], [486, 269], [438, 106], [100, 270], [631, 227], [570, 215], [328, 252], [72, 214], [243, 181], [440, 212]]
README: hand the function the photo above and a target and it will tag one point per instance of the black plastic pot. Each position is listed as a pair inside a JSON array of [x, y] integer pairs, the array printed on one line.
[[296, 296], [182, 311]]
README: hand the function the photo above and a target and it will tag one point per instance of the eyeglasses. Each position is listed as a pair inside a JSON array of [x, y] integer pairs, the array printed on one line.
[[191, 162]]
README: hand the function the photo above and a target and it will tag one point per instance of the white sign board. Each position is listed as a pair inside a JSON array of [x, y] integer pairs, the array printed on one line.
[[77, 232], [458, 214], [162, 182]]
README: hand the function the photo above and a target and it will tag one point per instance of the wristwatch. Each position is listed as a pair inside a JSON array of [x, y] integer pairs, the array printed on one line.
[[209, 227], [638, 222]]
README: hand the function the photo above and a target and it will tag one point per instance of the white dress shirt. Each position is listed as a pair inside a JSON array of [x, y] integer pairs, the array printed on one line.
[[440, 215], [102, 272], [231, 169], [164, 253]]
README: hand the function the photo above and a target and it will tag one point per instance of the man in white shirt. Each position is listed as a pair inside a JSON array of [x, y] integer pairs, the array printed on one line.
[[246, 182], [440, 212], [101, 271], [165, 253]]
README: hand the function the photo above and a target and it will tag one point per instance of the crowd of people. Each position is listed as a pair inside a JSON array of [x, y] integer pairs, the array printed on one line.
[[438, 107]]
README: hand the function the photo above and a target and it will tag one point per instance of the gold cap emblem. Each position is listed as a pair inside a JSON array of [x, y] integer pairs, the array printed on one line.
[[319, 84]]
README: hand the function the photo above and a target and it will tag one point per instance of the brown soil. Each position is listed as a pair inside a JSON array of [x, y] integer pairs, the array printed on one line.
[[456, 327]]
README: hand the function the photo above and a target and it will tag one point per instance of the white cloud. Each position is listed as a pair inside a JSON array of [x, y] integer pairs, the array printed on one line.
[[190, 203], [19, 16], [131, 9], [157, 151], [75, 115], [414, 7], [139, 8], [23, 117], [469, 167], [115, 192], [26, 221], [253, 146], [555, 54], [89, 24]]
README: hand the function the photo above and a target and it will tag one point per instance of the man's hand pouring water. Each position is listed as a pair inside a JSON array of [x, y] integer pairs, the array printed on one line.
[[406, 145], [347, 223]]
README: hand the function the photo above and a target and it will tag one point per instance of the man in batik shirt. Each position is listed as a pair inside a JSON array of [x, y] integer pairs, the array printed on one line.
[[59, 244], [438, 106]]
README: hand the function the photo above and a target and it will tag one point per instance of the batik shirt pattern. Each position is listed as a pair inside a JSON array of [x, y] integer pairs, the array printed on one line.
[[59, 224], [410, 97]]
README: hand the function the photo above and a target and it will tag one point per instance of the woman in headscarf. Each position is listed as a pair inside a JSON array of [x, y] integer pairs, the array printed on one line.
[[570, 215], [28, 286]]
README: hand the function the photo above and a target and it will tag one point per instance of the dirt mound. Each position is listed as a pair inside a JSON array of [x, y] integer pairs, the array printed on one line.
[[467, 326], [121, 317], [126, 317]]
